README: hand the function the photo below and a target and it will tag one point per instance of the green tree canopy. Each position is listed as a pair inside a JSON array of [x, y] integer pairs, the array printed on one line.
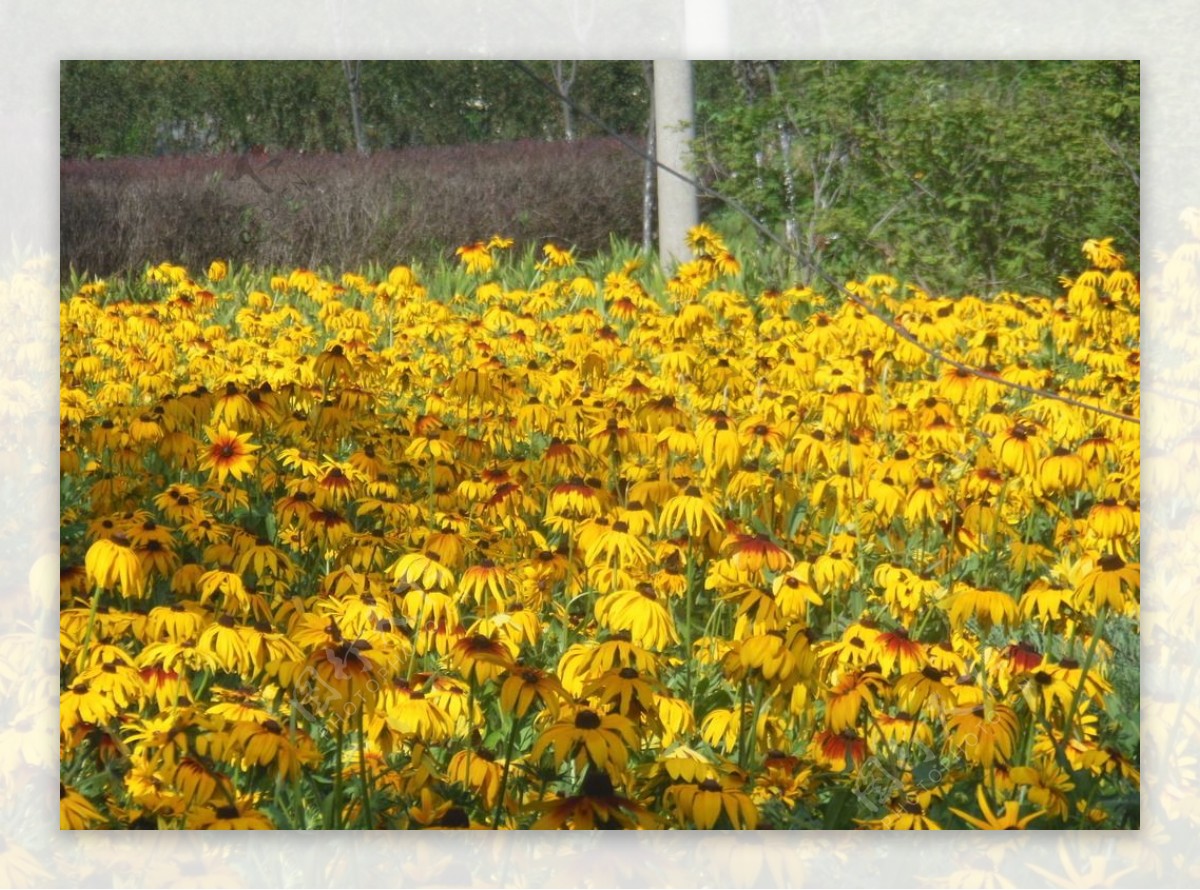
[[975, 175]]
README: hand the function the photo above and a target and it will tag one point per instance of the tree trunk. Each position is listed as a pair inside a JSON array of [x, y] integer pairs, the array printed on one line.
[[678, 205], [563, 81], [648, 176], [790, 228], [353, 71]]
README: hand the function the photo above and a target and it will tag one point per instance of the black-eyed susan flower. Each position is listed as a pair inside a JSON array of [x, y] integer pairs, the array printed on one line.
[[479, 659], [839, 750], [1007, 820], [79, 703], [984, 733], [1018, 449], [477, 257], [75, 811], [1044, 600], [924, 502], [411, 713], [477, 770], [198, 782], [625, 691], [527, 686], [1061, 471], [1046, 785], [595, 805], [640, 611], [1112, 583], [556, 257], [754, 552], [989, 607], [422, 569], [116, 680], [488, 584], [895, 650], [850, 695], [240, 815], [833, 571], [111, 563], [223, 642], [1111, 520], [229, 454], [617, 545], [766, 654], [710, 803], [720, 446], [691, 509], [903, 815], [590, 738], [340, 678], [1043, 688], [793, 594], [928, 688]]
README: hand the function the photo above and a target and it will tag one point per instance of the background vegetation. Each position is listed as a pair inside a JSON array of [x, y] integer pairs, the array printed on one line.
[[970, 176], [331, 210]]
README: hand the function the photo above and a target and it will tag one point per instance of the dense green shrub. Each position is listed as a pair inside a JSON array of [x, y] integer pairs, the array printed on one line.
[[973, 175]]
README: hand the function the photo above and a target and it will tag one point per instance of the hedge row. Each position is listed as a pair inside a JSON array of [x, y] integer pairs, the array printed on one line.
[[288, 209]]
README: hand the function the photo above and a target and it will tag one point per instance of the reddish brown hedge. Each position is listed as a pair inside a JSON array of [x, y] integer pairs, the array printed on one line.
[[284, 210]]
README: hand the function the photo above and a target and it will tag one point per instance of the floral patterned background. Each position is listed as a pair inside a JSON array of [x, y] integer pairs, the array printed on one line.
[[33, 853]]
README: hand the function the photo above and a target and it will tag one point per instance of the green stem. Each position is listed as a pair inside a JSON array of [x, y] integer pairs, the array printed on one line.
[[690, 596], [412, 659], [297, 796], [335, 803], [741, 748], [471, 718], [508, 746], [567, 583], [362, 772], [1084, 668], [91, 625], [1091, 798]]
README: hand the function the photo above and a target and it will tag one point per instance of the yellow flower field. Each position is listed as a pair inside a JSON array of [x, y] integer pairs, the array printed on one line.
[[549, 542]]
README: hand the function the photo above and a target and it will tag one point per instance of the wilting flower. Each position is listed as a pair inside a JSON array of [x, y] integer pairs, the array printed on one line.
[[692, 510], [112, 563], [642, 612], [986, 606]]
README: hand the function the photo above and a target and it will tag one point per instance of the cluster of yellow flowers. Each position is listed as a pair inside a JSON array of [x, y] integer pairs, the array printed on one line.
[[580, 550]]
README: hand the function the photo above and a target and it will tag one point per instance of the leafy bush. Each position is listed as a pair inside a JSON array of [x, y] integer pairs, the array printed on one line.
[[972, 175]]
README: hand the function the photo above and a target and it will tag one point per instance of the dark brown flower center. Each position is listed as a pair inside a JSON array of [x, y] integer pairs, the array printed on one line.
[[586, 719]]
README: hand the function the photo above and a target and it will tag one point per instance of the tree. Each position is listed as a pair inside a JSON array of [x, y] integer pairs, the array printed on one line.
[[564, 78], [353, 71], [648, 178], [971, 176]]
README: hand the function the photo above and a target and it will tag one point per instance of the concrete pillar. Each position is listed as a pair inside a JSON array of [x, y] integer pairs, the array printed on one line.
[[678, 205]]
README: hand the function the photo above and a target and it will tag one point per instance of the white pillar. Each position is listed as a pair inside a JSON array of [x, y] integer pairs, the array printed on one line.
[[678, 206]]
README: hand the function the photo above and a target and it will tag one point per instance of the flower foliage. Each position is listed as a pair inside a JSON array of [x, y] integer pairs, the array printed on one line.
[[555, 542]]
